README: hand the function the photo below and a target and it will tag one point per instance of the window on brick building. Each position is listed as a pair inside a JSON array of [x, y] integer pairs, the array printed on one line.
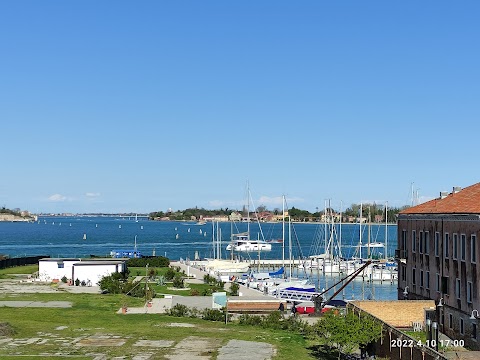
[[446, 244], [474, 331], [427, 280], [414, 276], [450, 321], [469, 291], [462, 326], [420, 243], [455, 246], [463, 247], [414, 241], [427, 242], [421, 278], [457, 288], [437, 244], [473, 249]]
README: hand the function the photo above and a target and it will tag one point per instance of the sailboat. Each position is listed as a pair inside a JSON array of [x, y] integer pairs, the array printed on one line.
[[330, 261], [378, 270], [219, 266], [242, 241]]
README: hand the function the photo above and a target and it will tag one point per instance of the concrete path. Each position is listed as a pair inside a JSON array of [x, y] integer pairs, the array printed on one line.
[[49, 304]]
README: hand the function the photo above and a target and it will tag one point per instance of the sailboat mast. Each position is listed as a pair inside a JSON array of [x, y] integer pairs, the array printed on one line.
[[325, 245], [360, 241], [330, 214], [369, 229], [290, 245], [283, 231], [248, 210], [231, 240], [213, 240], [340, 232], [386, 229]]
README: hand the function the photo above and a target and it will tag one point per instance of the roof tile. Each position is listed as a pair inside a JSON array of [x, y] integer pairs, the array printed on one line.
[[466, 201]]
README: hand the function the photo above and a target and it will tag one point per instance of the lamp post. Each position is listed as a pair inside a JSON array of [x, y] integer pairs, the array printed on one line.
[[439, 307], [435, 335], [474, 324], [473, 316], [429, 331]]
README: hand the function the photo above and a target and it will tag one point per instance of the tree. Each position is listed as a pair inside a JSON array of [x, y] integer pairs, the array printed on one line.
[[347, 332], [261, 208]]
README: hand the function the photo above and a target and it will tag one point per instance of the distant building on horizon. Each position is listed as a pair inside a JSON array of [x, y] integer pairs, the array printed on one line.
[[438, 259]]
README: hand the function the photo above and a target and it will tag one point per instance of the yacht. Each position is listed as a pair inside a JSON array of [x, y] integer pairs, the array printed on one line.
[[242, 242]]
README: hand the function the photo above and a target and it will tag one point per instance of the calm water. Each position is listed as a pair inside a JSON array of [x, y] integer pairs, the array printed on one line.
[[64, 237]]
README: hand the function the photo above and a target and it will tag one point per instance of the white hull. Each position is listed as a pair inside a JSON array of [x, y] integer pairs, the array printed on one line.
[[247, 246], [226, 267]]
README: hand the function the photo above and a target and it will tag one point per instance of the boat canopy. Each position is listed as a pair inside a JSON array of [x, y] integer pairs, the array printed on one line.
[[278, 272]]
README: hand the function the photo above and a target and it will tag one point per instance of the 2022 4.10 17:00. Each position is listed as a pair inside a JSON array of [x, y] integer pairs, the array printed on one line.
[[428, 343]]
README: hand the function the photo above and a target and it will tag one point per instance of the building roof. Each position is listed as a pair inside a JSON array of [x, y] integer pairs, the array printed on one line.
[[459, 201], [397, 313]]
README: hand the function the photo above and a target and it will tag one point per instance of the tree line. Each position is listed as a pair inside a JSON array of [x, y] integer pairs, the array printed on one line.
[[370, 213]]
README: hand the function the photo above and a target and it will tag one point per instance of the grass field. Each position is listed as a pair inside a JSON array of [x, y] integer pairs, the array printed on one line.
[[92, 326], [10, 272]]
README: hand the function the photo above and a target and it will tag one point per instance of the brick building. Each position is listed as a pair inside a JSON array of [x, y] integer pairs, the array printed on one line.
[[438, 258]]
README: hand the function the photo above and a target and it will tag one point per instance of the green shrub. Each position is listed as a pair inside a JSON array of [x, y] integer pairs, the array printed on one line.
[[64, 279], [170, 274], [246, 319], [154, 261], [194, 292], [112, 284], [178, 310], [152, 272], [207, 292], [77, 282], [178, 281], [213, 315], [273, 320], [234, 287]]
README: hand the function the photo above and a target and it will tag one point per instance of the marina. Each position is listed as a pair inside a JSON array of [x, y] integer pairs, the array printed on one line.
[[105, 234]]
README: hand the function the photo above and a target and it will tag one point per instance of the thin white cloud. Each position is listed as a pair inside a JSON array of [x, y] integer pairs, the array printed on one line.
[[92, 194], [57, 198]]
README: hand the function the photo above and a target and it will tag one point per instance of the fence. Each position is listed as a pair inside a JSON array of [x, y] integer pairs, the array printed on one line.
[[396, 345], [20, 261]]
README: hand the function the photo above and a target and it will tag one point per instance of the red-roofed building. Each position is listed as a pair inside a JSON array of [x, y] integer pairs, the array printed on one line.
[[437, 255]]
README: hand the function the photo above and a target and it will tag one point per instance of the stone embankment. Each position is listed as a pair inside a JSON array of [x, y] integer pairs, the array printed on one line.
[[15, 218]]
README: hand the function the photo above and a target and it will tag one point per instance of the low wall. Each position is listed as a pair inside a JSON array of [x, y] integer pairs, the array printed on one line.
[[254, 305]]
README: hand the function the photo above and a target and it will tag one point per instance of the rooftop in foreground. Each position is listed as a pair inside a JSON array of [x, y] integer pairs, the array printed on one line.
[[459, 201]]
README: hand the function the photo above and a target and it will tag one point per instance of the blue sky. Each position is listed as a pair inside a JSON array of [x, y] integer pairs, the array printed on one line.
[[120, 106]]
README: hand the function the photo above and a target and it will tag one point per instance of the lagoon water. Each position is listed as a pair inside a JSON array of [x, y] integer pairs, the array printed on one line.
[[85, 236]]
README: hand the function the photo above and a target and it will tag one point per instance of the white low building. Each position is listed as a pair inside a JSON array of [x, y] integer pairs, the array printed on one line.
[[88, 270]]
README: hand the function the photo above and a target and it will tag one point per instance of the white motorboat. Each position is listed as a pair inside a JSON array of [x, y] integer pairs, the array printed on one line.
[[241, 242]]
